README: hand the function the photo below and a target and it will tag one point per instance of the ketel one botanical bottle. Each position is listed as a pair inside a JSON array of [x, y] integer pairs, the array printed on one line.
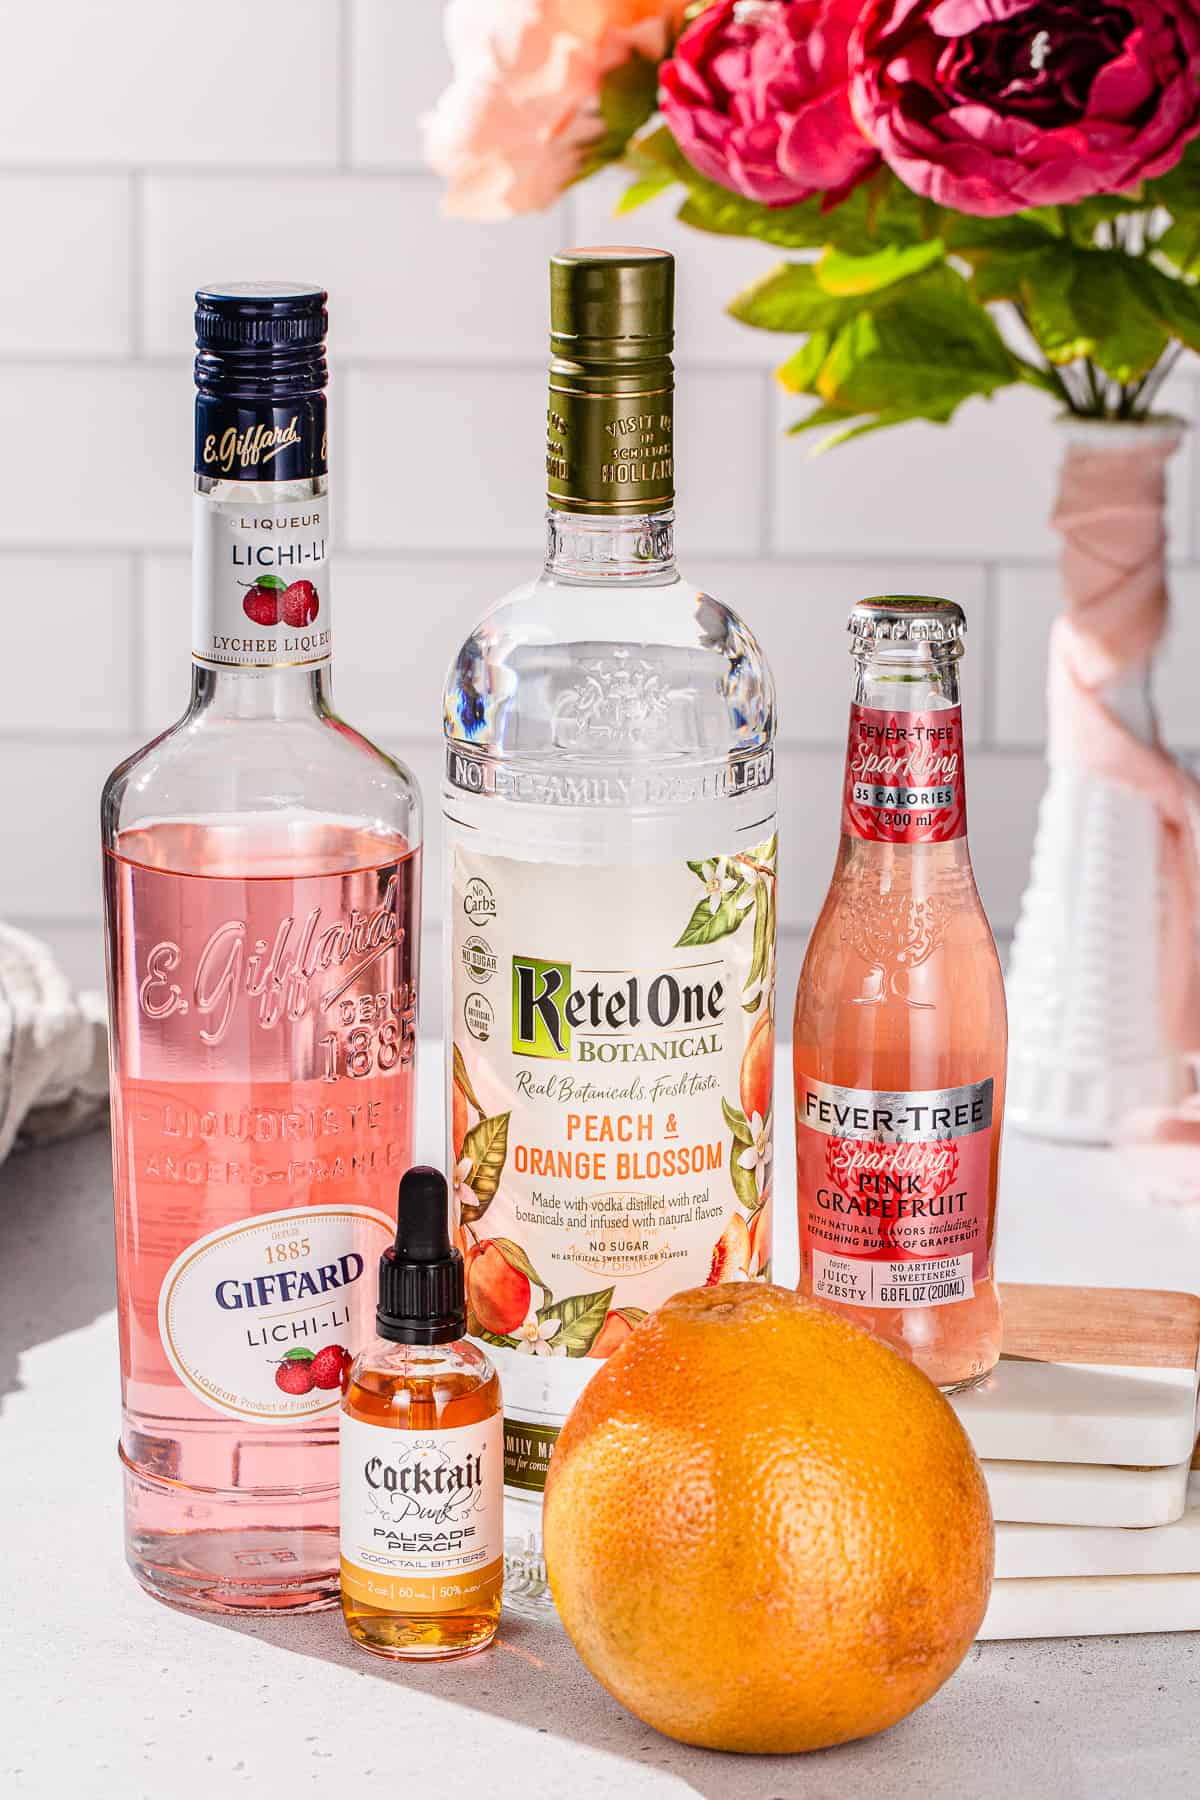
[[422, 1453], [610, 811], [261, 890], [900, 1033]]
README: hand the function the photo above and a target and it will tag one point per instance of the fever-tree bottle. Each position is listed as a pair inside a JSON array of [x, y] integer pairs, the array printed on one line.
[[900, 1032], [611, 854], [261, 865]]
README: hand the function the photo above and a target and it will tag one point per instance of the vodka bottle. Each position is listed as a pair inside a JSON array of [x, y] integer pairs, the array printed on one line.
[[610, 892], [262, 888], [900, 1033]]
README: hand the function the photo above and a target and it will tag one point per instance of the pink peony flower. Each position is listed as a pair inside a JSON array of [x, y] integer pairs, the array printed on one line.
[[756, 96], [511, 130], [991, 106]]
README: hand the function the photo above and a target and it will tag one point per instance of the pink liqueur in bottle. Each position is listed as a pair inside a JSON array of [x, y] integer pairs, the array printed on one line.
[[262, 871]]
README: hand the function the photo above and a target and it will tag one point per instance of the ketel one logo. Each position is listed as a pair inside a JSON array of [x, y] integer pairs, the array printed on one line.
[[547, 1008], [540, 991]]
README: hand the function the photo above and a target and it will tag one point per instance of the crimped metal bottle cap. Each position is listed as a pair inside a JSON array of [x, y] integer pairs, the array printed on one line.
[[906, 619], [614, 301]]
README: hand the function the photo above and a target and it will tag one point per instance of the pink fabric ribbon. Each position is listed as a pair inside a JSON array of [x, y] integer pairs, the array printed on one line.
[[1110, 514]]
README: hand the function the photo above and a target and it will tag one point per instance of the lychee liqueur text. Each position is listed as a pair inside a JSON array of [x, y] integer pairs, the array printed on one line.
[[612, 1136], [261, 583]]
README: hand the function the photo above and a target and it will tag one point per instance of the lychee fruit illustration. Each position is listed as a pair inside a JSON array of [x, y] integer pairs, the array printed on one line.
[[261, 601], [329, 1365], [300, 604], [295, 1377]]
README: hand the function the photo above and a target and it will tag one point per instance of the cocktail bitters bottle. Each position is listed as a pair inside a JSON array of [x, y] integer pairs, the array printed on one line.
[[261, 893], [900, 1030]]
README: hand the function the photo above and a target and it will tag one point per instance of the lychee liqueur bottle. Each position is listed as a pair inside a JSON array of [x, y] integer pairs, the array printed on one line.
[[261, 864], [611, 863]]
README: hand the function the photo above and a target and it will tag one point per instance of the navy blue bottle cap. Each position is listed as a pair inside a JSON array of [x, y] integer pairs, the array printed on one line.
[[260, 316]]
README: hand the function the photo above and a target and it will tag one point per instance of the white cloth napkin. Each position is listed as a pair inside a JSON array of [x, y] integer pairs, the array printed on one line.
[[53, 1048]]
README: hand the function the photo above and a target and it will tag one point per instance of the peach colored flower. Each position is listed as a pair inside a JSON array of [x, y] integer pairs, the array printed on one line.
[[509, 133]]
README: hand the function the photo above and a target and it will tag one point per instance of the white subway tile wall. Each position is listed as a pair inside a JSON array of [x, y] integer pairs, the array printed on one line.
[[283, 140]]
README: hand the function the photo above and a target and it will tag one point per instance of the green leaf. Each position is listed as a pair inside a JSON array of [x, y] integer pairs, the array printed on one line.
[[789, 298], [705, 927], [632, 1315], [1179, 189], [1090, 303], [271, 582], [764, 853], [516, 1258], [1179, 246], [883, 421], [298, 1355], [628, 96], [927, 350], [581, 1316], [643, 190], [819, 417], [475, 1329], [798, 375], [744, 1184], [737, 1123], [1175, 304], [758, 958], [847, 276], [486, 1144]]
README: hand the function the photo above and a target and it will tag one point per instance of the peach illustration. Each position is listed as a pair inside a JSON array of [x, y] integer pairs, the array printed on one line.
[[731, 1255], [758, 1068], [498, 1294], [613, 1332]]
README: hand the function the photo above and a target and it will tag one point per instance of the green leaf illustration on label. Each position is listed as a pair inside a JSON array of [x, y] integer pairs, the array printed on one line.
[[516, 1257], [744, 1184], [580, 1318], [464, 1080], [738, 1123], [486, 1148]]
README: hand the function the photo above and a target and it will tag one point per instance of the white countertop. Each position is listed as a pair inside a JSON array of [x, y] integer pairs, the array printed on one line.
[[104, 1692]]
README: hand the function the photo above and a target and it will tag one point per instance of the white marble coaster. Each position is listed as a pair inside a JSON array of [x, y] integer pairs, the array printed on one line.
[[1045, 1493], [1092, 1606], [1081, 1413], [1023, 1551]]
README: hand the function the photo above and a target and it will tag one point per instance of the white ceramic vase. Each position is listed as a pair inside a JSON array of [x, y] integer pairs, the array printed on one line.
[[1089, 985]]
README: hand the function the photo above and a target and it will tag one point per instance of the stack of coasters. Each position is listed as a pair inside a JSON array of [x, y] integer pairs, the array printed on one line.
[[1086, 1430]]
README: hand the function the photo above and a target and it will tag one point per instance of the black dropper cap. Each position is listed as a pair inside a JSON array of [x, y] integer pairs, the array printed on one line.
[[422, 1289]]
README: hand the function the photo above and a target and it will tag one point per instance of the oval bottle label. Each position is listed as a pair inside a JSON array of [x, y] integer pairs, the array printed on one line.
[[258, 1318]]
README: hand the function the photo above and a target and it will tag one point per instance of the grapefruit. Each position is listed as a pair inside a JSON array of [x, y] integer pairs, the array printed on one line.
[[764, 1529]]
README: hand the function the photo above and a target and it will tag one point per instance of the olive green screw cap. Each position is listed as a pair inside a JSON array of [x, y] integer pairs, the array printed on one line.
[[613, 301]]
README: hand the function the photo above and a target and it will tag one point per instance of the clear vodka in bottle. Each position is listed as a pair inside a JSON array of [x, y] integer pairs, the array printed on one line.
[[261, 866], [610, 891]]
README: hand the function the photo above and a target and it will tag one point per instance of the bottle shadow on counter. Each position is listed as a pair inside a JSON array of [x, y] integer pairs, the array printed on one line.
[[56, 1245]]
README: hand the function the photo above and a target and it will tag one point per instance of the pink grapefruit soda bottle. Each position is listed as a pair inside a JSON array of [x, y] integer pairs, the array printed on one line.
[[900, 1029]]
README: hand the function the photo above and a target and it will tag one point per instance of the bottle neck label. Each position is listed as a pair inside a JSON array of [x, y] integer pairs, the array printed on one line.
[[610, 453], [260, 440], [260, 583], [904, 776]]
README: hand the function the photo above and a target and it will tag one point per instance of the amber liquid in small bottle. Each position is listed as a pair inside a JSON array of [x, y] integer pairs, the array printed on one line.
[[422, 1454], [425, 1392]]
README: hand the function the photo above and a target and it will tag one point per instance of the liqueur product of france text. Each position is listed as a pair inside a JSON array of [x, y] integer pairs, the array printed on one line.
[[422, 1444], [900, 1033], [261, 893], [611, 871]]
